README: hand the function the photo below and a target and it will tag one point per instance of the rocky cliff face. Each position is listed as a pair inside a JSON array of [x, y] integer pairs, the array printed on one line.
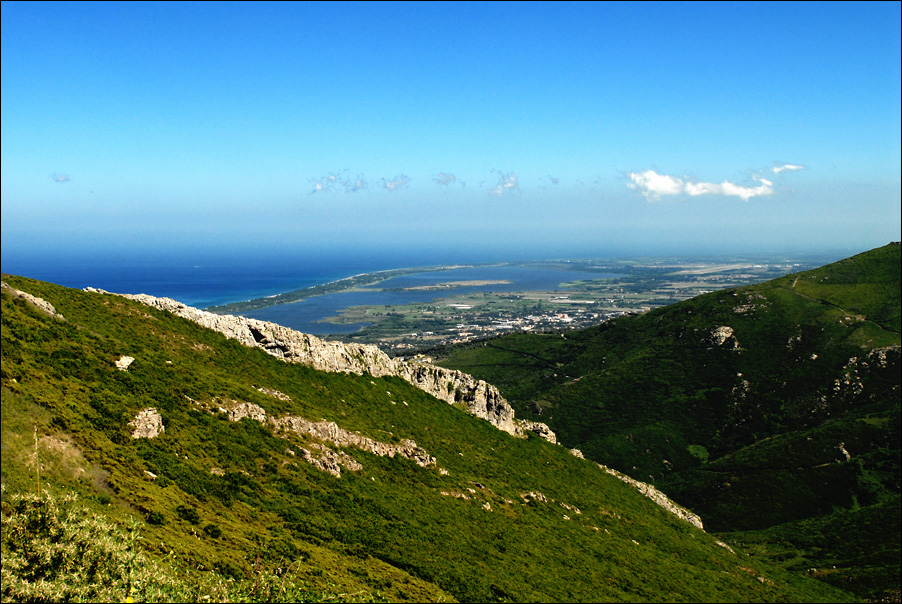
[[476, 396]]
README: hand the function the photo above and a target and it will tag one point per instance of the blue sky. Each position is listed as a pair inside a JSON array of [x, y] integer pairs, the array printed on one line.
[[524, 129]]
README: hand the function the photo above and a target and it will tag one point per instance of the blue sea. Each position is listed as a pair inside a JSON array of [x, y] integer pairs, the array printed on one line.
[[201, 280], [213, 279]]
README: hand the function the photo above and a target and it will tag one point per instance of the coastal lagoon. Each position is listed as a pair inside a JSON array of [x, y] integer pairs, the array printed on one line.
[[308, 315]]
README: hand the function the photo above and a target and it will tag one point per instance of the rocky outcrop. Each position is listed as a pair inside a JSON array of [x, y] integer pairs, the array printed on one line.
[[884, 356], [147, 424], [124, 363], [242, 410], [330, 461], [275, 394], [41, 304], [723, 336], [318, 454], [539, 429], [658, 497], [476, 396], [455, 387], [330, 432]]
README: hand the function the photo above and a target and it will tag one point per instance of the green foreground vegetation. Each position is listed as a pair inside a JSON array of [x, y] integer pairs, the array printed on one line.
[[772, 410], [218, 510]]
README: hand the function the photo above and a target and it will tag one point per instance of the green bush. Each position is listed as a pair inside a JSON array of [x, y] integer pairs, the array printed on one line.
[[188, 514], [56, 550]]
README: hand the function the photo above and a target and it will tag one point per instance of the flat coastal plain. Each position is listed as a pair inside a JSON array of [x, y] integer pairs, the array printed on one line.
[[407, 310]]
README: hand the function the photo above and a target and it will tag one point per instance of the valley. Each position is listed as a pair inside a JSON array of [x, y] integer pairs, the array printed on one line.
[[741, 444], [771, 410]]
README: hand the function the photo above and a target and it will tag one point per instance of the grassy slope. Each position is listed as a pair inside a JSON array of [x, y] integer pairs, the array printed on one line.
[[747, 432], [385, 530]]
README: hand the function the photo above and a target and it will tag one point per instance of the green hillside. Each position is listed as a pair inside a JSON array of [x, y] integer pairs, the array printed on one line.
[[213, 509], [771, 408]]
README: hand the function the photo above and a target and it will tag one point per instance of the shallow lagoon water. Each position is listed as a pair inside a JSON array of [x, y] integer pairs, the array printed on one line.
[[307, 315]]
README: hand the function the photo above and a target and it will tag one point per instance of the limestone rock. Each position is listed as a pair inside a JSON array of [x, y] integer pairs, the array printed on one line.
[[330, 461], [533, 496], [40, 303], [476, 396], [884, 356], [330, 432], [658, 497], [242, 410], [147, 424], [723, 335], [275, 394], [539, 429], [124, 363]]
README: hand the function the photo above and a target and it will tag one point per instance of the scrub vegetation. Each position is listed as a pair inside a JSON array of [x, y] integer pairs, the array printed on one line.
[[217, 510]]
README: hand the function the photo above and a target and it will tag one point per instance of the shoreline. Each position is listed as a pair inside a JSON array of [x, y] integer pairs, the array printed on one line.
[[331, 287]]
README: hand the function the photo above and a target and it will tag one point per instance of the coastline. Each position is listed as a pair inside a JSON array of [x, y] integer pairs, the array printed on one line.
[[339, 285]]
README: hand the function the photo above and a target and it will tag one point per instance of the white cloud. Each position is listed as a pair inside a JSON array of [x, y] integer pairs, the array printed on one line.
[[338, 180], [356, 184], [507, 183], [653, 185], [445, 178], [325, 183], [398, 182], [61, 178], [783, 167]]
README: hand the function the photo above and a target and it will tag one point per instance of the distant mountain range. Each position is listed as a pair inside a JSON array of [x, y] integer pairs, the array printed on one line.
[[251, 478]]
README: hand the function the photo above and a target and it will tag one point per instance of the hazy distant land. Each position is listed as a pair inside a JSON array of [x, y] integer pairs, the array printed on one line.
[[394, 308]]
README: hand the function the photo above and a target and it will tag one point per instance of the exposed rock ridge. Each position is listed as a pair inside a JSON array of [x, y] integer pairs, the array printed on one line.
[[478, 397], [658, 497], [330, 461], [325, 458], [330, 432], [40, 303]]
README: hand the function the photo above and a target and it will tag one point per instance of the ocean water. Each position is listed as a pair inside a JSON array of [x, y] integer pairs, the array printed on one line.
[[199, 281]]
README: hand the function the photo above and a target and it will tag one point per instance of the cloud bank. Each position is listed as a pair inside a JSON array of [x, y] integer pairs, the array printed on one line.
[[649, 183], [653, 186], [398, 182], [335, 181]]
